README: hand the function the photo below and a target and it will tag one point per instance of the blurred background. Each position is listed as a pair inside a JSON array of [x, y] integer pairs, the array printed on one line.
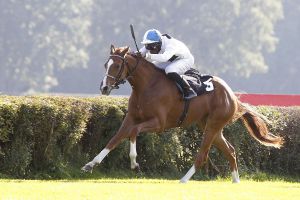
[[60, 46]]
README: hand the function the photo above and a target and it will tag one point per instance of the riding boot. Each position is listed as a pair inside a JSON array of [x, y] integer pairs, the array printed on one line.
[[188, 92]]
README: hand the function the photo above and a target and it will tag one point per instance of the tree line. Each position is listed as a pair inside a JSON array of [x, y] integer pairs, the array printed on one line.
[[55, 45]]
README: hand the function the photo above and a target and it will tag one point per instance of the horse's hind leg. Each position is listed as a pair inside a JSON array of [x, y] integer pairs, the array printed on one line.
[[228, 150], [201, 158]]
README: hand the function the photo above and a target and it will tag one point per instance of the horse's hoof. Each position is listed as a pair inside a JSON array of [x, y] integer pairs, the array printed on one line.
[[137, 169], [236, 181], [87, 168], [183, 181]]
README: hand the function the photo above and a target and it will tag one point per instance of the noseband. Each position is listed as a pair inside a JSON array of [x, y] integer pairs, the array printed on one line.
[[117, 78]]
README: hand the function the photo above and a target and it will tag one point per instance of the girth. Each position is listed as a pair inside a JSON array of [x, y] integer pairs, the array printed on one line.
[[184, 113]]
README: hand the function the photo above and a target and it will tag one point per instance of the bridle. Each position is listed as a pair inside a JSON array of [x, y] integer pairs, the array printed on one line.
[[118, 80]]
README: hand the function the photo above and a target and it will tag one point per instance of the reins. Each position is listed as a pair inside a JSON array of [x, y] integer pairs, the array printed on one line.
[[130, 72]]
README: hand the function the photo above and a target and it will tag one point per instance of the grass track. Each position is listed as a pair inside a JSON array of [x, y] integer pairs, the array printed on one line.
[[147, 189]]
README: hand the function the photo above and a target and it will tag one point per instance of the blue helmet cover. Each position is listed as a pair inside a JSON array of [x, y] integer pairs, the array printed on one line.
[[153, 35]]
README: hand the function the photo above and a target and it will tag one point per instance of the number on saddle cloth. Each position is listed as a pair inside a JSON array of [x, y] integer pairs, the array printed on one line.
[[201, 83]]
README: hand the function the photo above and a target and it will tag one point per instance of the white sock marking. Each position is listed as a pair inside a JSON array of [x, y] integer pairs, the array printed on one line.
[[133, 155], [235, 177], [188, 175], [98, 159]]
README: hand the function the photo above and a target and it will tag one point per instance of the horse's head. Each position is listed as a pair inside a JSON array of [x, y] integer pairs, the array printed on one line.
[[116, 70]]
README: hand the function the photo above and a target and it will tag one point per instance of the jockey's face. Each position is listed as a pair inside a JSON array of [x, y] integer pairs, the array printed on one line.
[[154, 48]]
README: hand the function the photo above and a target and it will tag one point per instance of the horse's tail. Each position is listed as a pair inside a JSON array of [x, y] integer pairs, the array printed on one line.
[[257, 127]]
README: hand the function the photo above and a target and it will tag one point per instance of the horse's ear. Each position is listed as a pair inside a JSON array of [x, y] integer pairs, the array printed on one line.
[[112, 49], [126, 49]]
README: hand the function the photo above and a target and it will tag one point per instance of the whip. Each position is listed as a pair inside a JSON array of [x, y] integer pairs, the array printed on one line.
[[133, 36]]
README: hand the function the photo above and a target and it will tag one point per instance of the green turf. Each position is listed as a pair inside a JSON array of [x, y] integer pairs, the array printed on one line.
[[153, 189]]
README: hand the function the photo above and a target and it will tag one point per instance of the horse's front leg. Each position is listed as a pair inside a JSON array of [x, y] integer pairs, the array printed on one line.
[[133, 154], [127, 130], [121, 134], [150, 125]]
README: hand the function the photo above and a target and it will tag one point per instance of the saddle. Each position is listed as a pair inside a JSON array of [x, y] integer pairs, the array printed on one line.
[[200, 83]]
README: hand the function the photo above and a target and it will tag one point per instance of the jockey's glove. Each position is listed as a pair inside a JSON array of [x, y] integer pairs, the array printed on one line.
[[148, 56]]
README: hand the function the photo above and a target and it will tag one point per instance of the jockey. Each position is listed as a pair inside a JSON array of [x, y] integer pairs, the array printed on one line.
[[171, 55]]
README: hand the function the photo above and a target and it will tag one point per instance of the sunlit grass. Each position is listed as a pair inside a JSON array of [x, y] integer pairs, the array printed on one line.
[[147, 189]]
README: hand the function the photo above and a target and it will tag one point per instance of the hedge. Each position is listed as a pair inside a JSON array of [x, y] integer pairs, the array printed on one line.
[[45, 137]]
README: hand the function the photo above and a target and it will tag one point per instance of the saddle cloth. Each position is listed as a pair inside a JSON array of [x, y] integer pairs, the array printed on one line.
[[200, 83]]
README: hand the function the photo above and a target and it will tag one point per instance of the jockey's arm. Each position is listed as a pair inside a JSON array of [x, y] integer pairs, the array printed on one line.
[[143, 51], [164, 57]]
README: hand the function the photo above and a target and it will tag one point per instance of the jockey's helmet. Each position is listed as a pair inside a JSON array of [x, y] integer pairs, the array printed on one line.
[[152, 40]]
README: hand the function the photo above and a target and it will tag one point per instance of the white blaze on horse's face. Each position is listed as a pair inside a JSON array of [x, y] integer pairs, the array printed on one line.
[[105, 86], [109, 64]]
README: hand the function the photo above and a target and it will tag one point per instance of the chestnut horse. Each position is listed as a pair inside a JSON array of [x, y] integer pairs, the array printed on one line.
[[156, 104]]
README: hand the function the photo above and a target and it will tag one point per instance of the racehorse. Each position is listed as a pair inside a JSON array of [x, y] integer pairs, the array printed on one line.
[[156, 104]]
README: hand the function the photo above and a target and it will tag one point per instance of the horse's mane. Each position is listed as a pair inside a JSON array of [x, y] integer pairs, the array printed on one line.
[[145, 62]]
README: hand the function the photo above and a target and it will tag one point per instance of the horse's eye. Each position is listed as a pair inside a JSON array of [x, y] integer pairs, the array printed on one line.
[[115, 66]]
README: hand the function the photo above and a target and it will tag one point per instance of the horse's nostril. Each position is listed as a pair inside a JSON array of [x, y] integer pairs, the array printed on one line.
[[105, 88]]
